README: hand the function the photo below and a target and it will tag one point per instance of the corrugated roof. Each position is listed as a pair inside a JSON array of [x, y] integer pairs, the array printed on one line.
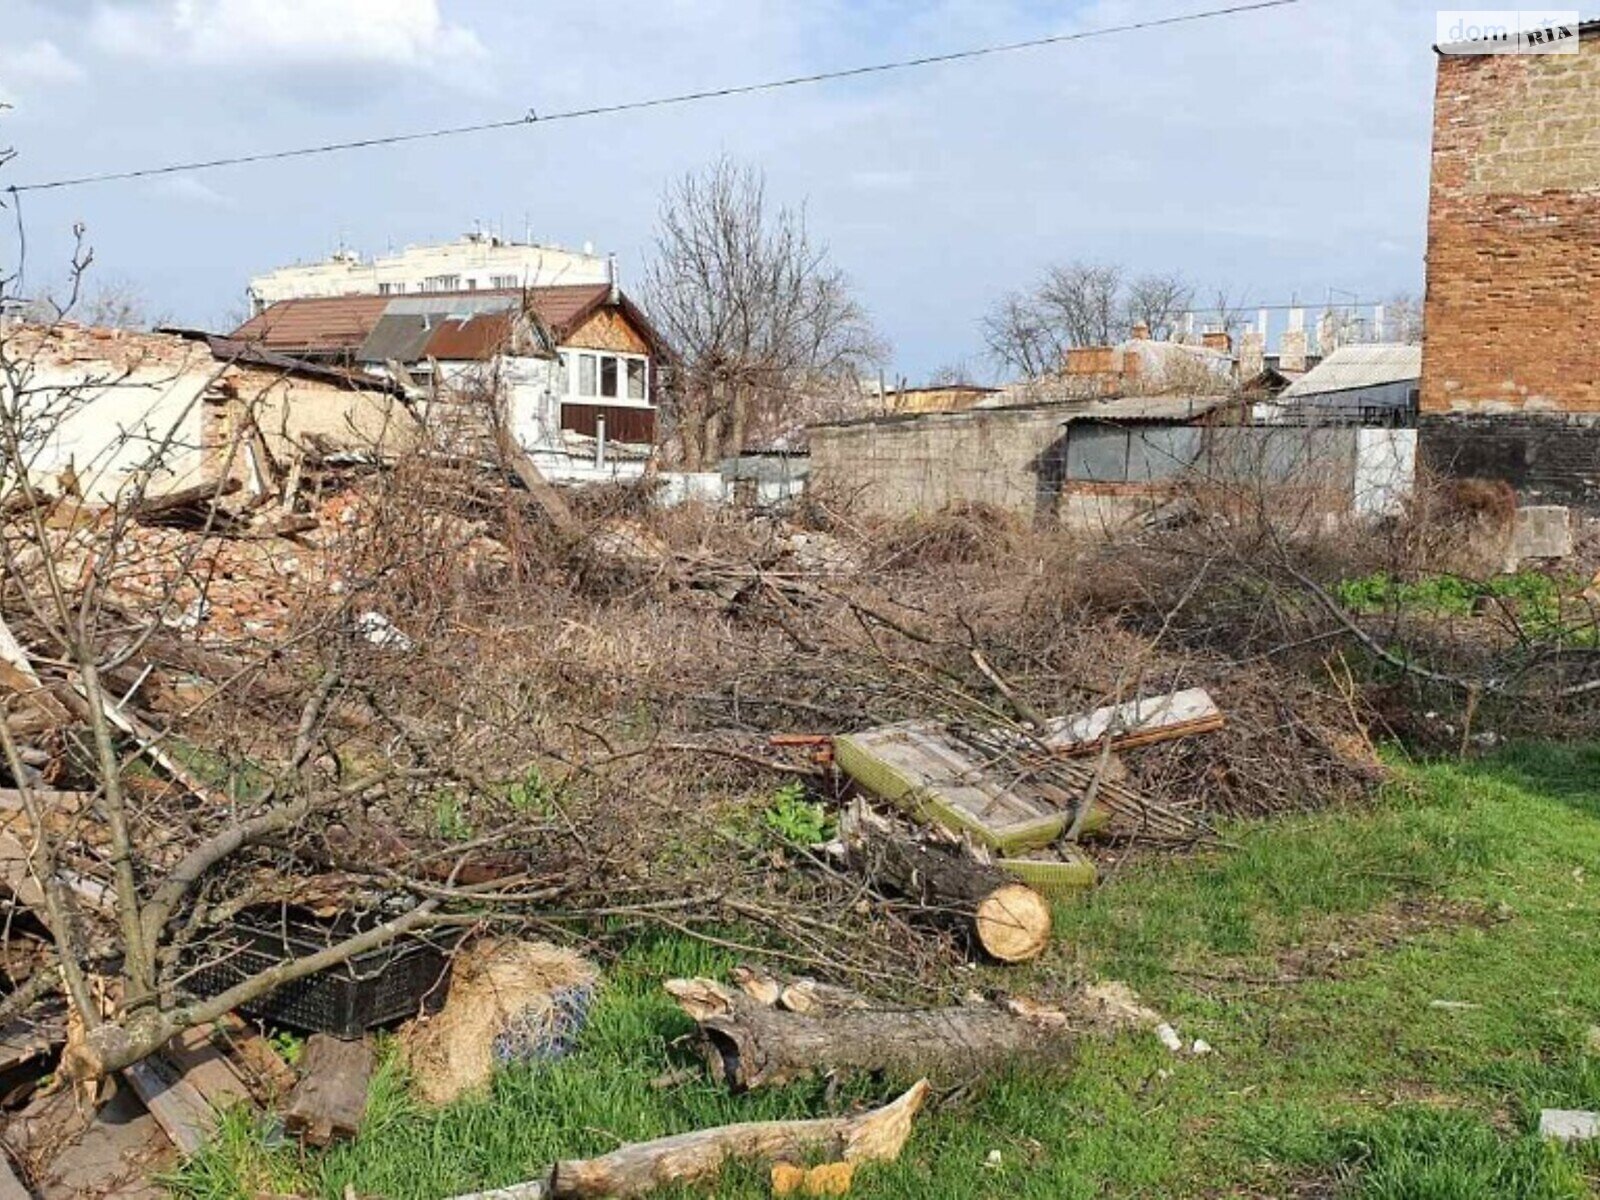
[[1160, 409], [470, 338], [397, 336], [1351, 367]]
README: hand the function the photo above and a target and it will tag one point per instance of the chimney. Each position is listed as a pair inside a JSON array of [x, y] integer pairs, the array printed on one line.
[[1292, 349], [1327, 333], [611, 277], [1217, 339], [1261, 325], [1252, 354], [1141, 332], [1379, 332]]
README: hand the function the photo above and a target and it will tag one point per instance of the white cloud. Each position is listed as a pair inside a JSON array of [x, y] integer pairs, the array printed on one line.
[[39, 62], [289, 34], [190, 190]]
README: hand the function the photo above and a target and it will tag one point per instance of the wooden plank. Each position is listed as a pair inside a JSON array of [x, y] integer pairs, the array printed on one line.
[[177, 1106], [1140, 722], [330, 1101], [10, 1186], [206, 1068], [270, 1079]]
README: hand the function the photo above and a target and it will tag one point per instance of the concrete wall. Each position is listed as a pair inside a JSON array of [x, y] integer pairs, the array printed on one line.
[[294, 412], [901, 465], [1090, 474]]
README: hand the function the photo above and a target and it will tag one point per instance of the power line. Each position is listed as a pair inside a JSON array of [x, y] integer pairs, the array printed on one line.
[[531, 117]]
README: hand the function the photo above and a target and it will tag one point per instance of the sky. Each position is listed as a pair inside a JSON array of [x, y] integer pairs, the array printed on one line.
[[1281, 155]]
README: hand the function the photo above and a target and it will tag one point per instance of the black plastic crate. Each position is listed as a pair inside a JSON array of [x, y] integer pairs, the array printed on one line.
[[378, 987]]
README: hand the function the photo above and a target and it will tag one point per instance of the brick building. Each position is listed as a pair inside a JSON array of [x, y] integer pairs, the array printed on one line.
[[1511, 363]]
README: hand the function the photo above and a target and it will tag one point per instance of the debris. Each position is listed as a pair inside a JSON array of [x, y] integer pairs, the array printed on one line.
[[1454, 1005], [1200, 1047], [1569, 1125], [380, 631], [1137, 723], [1169, 1037], [1008, 920], [748, 1045], [330, 1100], [510, 1002], [994, 1160]]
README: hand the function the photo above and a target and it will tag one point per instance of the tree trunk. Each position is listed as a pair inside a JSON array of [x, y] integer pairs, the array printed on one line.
[[1007, 919], [749, 1045]]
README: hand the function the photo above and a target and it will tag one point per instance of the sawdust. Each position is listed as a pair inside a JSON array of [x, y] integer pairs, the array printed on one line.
[[510, 1001]]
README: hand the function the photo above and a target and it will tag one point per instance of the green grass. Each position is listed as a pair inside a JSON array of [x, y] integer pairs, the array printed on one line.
[[1309, 954], [1546, 608]]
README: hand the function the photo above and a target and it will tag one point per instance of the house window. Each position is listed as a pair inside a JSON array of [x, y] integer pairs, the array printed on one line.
[[472, 284], [385, 288], [604, 376], [441, 283], [502, 281]]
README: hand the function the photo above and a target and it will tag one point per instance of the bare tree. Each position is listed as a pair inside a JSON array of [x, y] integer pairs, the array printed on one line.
[[1020, 337], [1085, 301], [114, 303], [1227, 310], [757, 312], [1075, 304], [1402, 319], [1157, 301]]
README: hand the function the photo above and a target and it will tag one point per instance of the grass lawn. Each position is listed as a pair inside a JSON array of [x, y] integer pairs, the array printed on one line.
[[1311, 954]]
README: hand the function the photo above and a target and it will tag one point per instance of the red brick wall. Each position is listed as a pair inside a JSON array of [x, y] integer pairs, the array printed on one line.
[[1512, 320]]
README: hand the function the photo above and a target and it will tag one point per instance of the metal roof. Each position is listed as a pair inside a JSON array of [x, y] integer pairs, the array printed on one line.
[[1352, 367], [331, 324]]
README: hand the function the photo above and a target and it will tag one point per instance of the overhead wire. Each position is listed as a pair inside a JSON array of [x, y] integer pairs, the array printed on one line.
[[531, 117]]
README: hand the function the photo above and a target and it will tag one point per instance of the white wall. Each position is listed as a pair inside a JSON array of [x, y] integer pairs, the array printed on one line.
[[109, 426], [1386, 469], [475, 262]]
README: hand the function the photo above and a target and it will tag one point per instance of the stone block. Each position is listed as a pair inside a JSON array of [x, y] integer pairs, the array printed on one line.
[[1541, 531]]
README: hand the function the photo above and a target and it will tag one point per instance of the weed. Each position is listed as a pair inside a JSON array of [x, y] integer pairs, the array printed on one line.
[[450, 819], [798, 820]]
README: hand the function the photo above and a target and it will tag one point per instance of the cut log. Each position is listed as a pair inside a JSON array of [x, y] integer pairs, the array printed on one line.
[[876, 1136], [749, 1045], [1007, 919], [330, 1100]]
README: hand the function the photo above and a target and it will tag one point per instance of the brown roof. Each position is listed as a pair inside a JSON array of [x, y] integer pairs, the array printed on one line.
[[473, 338], [330, 324], [320, 324]]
